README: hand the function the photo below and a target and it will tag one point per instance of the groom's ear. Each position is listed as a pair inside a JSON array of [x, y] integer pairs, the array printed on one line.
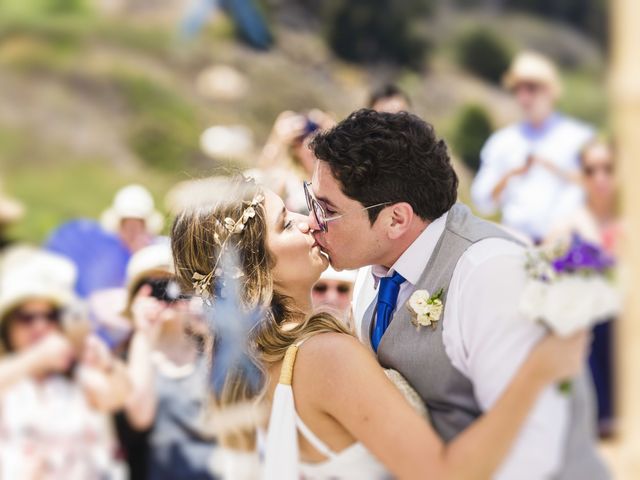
[[399, 219]]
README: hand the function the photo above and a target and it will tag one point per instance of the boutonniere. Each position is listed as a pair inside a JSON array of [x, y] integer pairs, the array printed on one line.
[[426, 309]]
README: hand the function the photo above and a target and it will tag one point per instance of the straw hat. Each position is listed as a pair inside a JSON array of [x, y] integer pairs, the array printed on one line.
[[133, 201], [40, 275], [533, 67], [11, 209]]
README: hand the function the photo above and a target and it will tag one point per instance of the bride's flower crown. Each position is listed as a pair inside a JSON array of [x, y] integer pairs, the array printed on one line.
[[202, 282]]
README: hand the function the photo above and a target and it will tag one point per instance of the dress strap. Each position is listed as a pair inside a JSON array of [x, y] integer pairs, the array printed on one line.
[[286, 377], [286, 372], [311, 437]]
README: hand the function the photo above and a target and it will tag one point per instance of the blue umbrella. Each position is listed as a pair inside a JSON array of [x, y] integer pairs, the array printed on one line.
[[99, 256]]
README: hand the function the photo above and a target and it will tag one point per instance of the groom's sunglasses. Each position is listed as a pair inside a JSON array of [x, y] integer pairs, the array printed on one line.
[[319, 212]]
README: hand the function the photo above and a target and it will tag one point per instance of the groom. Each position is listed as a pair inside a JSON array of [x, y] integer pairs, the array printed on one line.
[[384, 195]]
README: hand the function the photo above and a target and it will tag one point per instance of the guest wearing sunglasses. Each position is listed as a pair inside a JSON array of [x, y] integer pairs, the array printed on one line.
[[56, 381], [334, 291], [529, 169], [597, 221]]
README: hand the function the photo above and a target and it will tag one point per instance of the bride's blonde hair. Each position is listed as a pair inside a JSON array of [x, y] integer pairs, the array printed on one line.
[[200, 237]]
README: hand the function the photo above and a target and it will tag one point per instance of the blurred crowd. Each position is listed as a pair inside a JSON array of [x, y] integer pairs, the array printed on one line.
[[104, 370]]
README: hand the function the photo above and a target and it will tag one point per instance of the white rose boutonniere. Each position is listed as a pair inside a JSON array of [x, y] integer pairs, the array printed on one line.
[[426, 309]]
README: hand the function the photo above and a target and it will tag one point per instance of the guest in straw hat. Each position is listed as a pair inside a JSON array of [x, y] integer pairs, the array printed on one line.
[[529, 170]]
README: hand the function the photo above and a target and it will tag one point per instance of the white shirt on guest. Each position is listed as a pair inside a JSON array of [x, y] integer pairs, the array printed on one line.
[[534, 201], [485, 337]]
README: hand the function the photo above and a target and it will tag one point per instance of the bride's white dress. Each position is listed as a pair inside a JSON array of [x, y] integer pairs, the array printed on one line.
[[282, 458]]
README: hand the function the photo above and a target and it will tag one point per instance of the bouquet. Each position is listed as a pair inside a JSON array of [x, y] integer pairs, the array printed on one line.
[[571, 289]]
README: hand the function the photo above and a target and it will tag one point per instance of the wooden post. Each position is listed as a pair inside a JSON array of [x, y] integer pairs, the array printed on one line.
[[625, 96]]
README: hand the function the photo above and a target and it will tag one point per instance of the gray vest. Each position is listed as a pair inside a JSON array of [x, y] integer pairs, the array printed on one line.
[[419, 355]]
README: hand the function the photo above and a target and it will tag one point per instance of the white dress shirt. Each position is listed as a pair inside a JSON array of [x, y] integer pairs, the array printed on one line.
[[534, 201], [485, 337]]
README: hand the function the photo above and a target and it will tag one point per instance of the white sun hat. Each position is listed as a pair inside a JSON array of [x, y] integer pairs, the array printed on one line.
[[153, 261], [133, 201], [156, 258], [529, 66], [40, 275]]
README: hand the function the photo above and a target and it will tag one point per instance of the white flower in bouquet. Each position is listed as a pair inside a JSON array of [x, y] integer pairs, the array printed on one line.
[[571, 303], [570, 292]]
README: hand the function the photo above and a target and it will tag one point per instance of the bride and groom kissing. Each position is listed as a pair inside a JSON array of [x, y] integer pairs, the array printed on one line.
[[437, 302]]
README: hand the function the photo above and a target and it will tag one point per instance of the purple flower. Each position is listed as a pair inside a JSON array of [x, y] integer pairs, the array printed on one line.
[[583, 256]]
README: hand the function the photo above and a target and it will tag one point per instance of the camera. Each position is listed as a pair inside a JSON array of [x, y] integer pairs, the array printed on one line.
[[166, 290]]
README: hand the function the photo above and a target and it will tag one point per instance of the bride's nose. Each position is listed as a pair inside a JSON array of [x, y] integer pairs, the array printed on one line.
[[304, 227], [302, 223]]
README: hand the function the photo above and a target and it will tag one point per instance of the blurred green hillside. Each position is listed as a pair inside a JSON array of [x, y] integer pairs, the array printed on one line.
[[91, 100]]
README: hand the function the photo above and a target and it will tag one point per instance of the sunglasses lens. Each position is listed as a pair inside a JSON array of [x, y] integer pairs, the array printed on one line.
[[591, 171], [26, 318], [307, 195], [319, 214], [320, 288]]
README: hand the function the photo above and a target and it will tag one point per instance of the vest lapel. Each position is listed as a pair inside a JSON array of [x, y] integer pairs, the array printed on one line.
[[402, 315]]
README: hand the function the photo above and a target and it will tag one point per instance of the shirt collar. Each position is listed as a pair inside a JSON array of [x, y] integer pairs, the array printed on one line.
[[414, 260], [531, 132]]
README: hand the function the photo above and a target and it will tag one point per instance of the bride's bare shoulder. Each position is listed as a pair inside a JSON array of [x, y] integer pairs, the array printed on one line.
[[330, 343], [333, 354]]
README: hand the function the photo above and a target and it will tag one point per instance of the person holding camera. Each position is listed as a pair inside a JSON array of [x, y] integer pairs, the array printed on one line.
[[56, 380], [286, 161], [161, 428]]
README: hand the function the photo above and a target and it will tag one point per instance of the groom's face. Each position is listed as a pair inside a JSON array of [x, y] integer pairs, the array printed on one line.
[[350, 241]]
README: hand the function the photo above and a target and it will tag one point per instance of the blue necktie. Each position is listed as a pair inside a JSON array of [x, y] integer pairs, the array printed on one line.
[[387, 299]]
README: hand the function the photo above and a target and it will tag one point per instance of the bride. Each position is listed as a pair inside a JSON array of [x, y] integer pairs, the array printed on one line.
[[351, 420]]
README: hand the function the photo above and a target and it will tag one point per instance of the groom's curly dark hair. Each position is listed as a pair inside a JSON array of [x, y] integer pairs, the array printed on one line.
[[390, 157]]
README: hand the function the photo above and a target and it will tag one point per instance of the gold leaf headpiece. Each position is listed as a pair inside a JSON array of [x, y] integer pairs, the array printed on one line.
[[202, 282]]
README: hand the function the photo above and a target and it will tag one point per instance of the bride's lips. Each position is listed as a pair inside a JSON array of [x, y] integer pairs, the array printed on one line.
[[320, 248], [316, 243]]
